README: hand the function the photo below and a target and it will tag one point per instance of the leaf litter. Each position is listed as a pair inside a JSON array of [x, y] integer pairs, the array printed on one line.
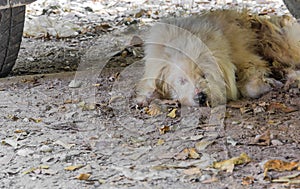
[[152, 158]]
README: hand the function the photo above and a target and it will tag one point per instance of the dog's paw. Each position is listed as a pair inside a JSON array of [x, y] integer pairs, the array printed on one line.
[[255, 88], [274, 83], [142, 101], [293, 80]]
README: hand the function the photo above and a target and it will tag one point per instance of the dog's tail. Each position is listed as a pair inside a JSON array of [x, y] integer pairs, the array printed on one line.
[[278, 40]]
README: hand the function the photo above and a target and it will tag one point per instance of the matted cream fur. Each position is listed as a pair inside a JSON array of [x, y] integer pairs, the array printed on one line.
[[218, 55]]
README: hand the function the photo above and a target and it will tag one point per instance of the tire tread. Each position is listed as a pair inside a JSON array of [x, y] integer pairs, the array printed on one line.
[[11, 30]]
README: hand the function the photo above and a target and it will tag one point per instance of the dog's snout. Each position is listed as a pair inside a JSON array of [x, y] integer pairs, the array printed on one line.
[[200, 98]]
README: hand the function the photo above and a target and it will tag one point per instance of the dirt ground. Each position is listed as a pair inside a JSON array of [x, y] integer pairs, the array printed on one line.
[[69, 120]]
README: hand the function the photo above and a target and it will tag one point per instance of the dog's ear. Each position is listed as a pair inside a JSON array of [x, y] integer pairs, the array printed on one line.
[[286, 21], [162, 87], [255, 24]]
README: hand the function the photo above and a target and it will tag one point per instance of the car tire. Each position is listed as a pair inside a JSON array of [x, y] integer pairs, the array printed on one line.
[[11, 30], [294, 7]]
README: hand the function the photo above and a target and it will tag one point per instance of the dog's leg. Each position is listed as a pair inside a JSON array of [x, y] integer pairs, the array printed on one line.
[[293, 79], [145, 91], [253, 78]]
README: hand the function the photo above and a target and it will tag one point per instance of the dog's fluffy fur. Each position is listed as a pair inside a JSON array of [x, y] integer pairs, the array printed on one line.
[[218, 54]]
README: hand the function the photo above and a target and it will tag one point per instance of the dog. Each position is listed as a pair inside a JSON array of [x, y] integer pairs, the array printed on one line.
[[218, 56]]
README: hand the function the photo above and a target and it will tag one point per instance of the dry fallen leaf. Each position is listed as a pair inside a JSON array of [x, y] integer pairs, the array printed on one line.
[[33, 169], [277, 106], [140, 13], [160, 142], [244, 110], [193, 153], [236, 104], [263, 140], [12, 117], [103, 27], [29, 170], [229, 164], [19, 131], [36, 120], [187, 153], [153, 110], [172, 114], [192, 171], [279, 165], [73, 167], [246, 181], [164, 129], [33, 80], [83, 176], [68, 101]]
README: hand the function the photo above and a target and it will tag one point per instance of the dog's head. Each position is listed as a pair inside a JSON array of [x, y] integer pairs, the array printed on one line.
[[194, 82], [183, 80], [186, 69]]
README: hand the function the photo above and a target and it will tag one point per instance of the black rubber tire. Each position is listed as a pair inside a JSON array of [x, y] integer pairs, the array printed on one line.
[[11, 30], [294, 7]]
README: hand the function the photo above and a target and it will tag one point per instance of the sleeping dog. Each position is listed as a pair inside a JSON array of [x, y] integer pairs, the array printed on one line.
[[218, 56]]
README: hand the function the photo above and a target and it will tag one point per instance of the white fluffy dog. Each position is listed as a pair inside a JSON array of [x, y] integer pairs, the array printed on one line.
[[218, 56]]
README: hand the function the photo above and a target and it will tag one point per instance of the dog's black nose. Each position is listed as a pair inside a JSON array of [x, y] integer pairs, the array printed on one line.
[[200, 98]]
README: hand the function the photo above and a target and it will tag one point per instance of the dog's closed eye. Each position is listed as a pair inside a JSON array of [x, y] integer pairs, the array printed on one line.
[[182, 81]]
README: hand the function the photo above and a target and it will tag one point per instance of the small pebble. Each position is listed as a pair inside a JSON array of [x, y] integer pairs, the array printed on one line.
[[45, 148], [75, 84]]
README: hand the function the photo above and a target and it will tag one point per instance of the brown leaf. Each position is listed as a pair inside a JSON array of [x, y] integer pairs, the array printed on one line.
[[279, 165], [263, 140], [83, 176], [140, 13], [277, 106], [36, 120], [153, 110], [193, 153], [244, 110], [103, 27], [19, 131], [73, 167], [187, 153], [236, 104], [33, 80], [13, 117], [246, 181], [229, 164], [68, 101], [164, 129], [172, 114]]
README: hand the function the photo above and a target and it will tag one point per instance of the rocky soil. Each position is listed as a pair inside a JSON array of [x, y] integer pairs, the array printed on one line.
[[69, 120]]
